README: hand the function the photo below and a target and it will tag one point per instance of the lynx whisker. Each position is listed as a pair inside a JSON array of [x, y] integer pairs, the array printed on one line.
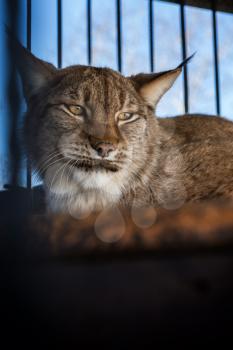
[[63, 171], [55, 176], [45, 168], [40, 170]]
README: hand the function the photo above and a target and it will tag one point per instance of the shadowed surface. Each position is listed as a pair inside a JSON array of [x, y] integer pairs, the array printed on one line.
[[62, 284]]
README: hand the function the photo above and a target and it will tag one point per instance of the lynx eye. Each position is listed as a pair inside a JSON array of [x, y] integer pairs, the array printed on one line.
[[76, 109], [125, 116]]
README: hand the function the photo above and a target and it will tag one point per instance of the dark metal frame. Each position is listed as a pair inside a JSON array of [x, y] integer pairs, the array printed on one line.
[[184, 54], [119, 41], [151, 33], [59, 33], [29, 39], [216, 65]]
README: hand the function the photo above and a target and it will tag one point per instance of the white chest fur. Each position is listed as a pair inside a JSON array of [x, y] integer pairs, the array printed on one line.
[[87, 192]]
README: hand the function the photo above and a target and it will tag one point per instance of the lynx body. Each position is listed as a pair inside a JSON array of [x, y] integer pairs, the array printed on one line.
[[94, 139]]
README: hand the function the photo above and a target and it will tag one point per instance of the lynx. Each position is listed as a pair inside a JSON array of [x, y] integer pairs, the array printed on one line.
[[93, 137]]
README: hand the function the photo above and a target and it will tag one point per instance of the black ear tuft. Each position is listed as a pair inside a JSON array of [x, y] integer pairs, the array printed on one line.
[[186, 61], [152, 86]]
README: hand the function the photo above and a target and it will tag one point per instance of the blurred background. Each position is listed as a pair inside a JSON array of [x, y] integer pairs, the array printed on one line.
[[131, 36]]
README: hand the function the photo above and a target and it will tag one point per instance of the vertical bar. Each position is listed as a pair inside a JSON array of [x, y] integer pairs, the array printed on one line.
[[216, 62], [119, 38], [29, 24], [184, 55], [89, 32], [59, 33], [29, 40], [151, 33], [13, 96]]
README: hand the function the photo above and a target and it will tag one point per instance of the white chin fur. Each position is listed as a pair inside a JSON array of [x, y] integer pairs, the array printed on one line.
[[85, 191], [97, 180], [89, 191]]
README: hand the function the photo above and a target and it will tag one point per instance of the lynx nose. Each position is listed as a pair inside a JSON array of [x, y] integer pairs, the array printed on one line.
[[104, 148]]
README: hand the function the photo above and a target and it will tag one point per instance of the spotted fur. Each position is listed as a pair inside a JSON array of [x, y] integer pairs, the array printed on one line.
[[154, 162]]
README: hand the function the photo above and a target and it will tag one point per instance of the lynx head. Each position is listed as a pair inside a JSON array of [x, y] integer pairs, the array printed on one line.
[[90, 128]]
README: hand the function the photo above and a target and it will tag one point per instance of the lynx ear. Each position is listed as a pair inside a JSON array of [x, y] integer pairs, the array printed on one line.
[[34, 72], [153, 86]]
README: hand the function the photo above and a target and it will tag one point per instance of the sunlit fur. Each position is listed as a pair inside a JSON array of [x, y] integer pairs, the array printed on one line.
[[154, 162], [75, 174]]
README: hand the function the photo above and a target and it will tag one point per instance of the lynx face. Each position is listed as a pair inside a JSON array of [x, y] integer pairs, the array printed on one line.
[[94, 123], [90, 129]]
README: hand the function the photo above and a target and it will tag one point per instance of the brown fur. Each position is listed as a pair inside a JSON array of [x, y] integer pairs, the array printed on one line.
[[155, 162]]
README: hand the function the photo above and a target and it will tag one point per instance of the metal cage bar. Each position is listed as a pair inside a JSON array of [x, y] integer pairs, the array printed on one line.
[[151, 34], [29, 44], [59, 33], [184, 55], [12, 8], [89, 33], [119, 35], [216, 62]]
